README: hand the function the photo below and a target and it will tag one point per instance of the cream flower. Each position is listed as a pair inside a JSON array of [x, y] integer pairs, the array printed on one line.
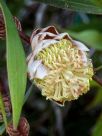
[[59, 65]]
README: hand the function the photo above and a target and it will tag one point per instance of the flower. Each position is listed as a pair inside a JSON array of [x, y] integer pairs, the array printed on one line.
[[22, 129], [59, 65], [2, 25]]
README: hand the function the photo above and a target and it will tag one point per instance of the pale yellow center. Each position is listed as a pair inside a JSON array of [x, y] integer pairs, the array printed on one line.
[[69, 74]]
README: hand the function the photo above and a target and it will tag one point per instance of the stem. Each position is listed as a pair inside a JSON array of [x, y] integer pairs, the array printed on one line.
[[28, 93], [98, 80], [24, 37], [3, 110], [98, 68]]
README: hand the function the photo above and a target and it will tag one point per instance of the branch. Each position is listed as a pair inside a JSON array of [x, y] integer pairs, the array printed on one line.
[[24, 37], [97, 79]]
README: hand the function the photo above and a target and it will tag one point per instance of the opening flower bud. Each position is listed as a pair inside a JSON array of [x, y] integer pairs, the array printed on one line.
[[59, 65]]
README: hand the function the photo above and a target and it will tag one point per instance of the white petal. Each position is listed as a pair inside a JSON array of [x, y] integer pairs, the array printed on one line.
[[36, 31], [84, 57], [41, 72], [50, 29], [47, 29], [34, 42], [44, 44], [80, 45], [28, 58], [32, 68], [47, 33], [62, 35], [40, 37]]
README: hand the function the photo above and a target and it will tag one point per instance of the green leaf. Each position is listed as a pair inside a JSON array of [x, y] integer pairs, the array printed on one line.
[[97, 131], [28, 93], [98, 99], [97, 2], [16, 64], [91, 38], [98, 96], [88, 6], [16, 6], [2, 129]]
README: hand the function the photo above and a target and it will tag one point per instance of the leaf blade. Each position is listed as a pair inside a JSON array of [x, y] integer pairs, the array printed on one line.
[[97, 130], [16, 64], [88, 6]]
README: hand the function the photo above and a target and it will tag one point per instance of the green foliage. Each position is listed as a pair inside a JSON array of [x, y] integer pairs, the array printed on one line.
[[16, 65], [88, 6], [92, 38], [15, 9], [97, 2], [2, 129], [98, 97], [97, 131]]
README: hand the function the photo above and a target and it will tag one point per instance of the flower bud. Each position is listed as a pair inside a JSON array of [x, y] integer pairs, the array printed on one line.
[[59, 65], [6, 101], [2, 25], [22, 130], [7, 106]]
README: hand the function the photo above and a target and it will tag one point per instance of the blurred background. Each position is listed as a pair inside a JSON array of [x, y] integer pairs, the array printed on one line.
[[82, 117]]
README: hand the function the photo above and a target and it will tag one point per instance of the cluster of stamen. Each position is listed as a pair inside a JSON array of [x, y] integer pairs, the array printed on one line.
[[69, 73]]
